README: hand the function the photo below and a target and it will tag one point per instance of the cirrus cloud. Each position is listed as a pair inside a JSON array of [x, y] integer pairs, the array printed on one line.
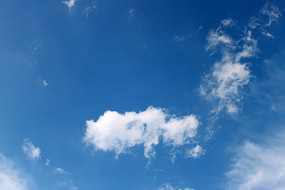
[[259, 166], [10, 176]]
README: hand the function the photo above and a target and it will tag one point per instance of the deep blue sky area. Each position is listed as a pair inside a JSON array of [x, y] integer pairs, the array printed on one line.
[[219, 63]]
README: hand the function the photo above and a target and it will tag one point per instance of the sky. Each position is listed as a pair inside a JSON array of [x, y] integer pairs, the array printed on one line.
[[145, 95]]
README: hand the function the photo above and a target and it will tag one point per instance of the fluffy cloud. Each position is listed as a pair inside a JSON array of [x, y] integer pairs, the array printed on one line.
[[195, 152], [120, 132], [259, 166], [30, 150], [168, 186], [10, 177]]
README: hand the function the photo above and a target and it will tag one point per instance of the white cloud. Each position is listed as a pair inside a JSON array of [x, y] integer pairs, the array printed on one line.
[[60, 171], [178, 38], [227, 22], [267, 34], [259, 167], [224, 84], [268, 14], [195, 152], [45, 83], [70, 4], [10, 178], [253, 23], [272, 12], [218, 37], [168, 186], [120, 132], [30, 150]]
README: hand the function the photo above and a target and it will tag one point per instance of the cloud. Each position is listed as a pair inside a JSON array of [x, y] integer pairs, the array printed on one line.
[[89, 8], [47, 162], [120, 132], [259, 166], [178, 38], [223, 85], [64, 179], [227, 22], [216, 38], [268, 14], [132, 12], [195, 152], [30, 150], [60, 171], [168, 186], [272, 12], [45, 83], [70, 4], [10, 176]]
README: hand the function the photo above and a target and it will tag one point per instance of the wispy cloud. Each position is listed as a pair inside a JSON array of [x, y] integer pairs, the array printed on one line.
[[178, 38], [10, 178], [224, 84], [30, 150], [47, 162], [64, 179], [120, 132], [90, 8], [60, 171], [259, 166], [195, 152], [227, 22], [267, 15], [131, 12]]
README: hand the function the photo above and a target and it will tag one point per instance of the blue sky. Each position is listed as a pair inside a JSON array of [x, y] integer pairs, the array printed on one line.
[[147, 95]]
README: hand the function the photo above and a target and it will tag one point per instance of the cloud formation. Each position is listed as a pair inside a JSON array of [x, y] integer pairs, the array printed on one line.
[[30, 150], [229, 75], [120, 132], [224, 84], [259, 166], [10, 177]]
